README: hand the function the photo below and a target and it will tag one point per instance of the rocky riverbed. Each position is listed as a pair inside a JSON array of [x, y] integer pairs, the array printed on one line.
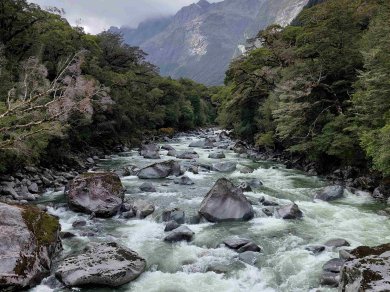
[[201, 213]]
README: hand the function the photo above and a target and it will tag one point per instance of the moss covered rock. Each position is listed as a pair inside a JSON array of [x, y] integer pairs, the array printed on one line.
[[29, 238], [99, 193]]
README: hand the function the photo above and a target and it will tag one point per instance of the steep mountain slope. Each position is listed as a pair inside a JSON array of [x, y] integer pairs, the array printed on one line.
[[202, 38]]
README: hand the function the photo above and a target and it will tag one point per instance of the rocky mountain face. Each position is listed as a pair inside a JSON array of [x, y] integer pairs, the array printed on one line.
[[201, 39]]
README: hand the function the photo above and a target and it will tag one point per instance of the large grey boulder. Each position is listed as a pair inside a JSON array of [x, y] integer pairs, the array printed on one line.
[[160, 170], [29, 239], [330, 193], [106, 264], [182, 233], [224, 166], [100, 194], [291, 211], [226, 202], [150, 151], [368, 270], [167, 147]]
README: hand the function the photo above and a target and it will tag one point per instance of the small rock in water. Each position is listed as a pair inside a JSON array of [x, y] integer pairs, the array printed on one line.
[[337, 242], [106, 264], [267, 203], [142, 208], [150, 151], [167, 147], [236, 242], [291, 211], [172, 153], [334, 265], [224, 166], [173, 215], [147, 187], [315, 249], [66, 235], [217, 155], [128, 214], [187, 155], [179, 234], [171, 225], [330, 279], [255, 183], [79, 223], [250, 246], [269, 211], [160, 170], [330, 193], [184, 180], [249, 257], [245, 187], [194, 169], [246, 170]]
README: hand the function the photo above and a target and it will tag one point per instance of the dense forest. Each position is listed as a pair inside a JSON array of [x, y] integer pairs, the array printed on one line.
[[319, 89], [63, 90]]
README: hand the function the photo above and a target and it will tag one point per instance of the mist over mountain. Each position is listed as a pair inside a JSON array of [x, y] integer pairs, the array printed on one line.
[[201, 39]]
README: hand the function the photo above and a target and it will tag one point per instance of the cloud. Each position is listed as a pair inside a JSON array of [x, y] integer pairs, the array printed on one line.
[[98, 15]]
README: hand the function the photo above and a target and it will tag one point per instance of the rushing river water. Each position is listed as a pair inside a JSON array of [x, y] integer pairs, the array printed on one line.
[[204, 265]]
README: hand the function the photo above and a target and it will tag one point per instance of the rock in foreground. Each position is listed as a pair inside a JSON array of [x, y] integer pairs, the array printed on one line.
[[368, 271], [225, 202], [107, 264], [29, 238], [101, 194], [160, 170]]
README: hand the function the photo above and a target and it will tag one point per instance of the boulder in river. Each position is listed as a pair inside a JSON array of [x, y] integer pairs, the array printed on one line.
[[337, 242], [330, 193], [315, 249], [217, 155], [180, 234], [226, 202], [142, 208], [160, 170], [224, 166], [147, 187], [246, 170], [167, 147], [150, 151], [171, 225], [106, 264], [29, 239], [101, 194], [175, 214], [184, 180], [241, 245], [187, 155], [369, 270], [331, 272], [291, 211]]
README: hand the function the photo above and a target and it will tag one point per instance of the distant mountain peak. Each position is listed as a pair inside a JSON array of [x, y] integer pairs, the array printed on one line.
[[203, 3], [202, 38]]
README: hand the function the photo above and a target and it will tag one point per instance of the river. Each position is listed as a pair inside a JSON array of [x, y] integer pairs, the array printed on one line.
[[204, 264]]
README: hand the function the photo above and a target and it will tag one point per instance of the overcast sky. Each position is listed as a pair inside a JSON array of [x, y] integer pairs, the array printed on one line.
[[98, 15]]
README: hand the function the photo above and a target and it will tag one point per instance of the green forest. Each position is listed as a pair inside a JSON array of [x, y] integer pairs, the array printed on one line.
[[63, 90], [318, 89]]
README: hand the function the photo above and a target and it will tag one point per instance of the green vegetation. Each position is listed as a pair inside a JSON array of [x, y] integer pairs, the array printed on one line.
[[63, 90], [318, 89]]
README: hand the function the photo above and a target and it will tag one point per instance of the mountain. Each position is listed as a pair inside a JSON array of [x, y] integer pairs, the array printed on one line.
[[201, 39]]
